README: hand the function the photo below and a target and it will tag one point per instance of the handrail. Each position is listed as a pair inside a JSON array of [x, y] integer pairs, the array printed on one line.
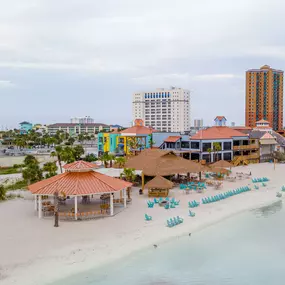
[[241, 147]]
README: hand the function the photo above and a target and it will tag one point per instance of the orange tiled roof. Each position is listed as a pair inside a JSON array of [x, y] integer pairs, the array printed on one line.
[[79, 183], [217, 133], [267, 136], [79, 165], [140, 130], [220, 118], [172, 139]]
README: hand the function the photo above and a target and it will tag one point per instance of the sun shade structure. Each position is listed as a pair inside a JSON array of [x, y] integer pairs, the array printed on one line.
[[80, 165], [159, 182], [156, 162], [79, 180], [79, 183], [158, 187], [222, 164]]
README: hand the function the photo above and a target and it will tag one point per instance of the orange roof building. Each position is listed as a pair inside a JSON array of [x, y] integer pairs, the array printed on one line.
[[79, 180], [217, 143]]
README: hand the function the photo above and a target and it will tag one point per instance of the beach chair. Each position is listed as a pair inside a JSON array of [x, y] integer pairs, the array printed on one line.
[[263, 184], [191, 214], [166, 206], [176, 203], [172, 205], [147, 217], [155, 201], [167, 199], [256, 187], [180, 219], [170, 224], [283, 189], [172, 200]]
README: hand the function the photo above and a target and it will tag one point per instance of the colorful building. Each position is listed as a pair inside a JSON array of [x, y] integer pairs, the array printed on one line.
[[25, 127], [264, 97]]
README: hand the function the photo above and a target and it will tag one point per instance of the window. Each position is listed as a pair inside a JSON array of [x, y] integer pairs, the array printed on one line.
[[206, 146], [227, 145], [195, 145]]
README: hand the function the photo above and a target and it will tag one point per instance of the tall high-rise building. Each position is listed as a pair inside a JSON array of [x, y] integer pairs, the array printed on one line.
[[264, 97], [82, 120], [198, 123], [163, 109]]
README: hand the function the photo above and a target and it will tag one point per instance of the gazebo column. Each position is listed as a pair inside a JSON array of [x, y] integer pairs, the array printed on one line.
[[75, 207], [36, 202], [40, 206], [125, 197], [111, 204]]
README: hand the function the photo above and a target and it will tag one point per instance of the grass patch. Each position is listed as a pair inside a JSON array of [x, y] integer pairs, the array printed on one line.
[[21, 184], [9, 170]]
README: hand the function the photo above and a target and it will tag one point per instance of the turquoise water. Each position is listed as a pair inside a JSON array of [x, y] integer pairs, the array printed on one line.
[[248, 249]]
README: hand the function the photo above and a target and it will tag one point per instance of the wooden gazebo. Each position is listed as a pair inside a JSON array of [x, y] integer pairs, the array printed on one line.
[[158, 187], [79, 181]]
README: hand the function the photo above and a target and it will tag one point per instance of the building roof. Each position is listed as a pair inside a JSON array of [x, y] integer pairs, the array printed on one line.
[[262, 122], [139, 130], [80, 165], [222, 163], [79, 183], [65, 125], [280, 139], [159, 182], [154, 162], [172, 139], [25, 123], [267, 136], [220, 118], [217, 132]]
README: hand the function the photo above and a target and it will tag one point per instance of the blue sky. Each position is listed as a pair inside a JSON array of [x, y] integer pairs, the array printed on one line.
[[60, 59]]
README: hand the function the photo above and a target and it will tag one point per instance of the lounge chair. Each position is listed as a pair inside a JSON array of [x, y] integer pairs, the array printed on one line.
[[170, 224], [191, 214], [147, 217], [166, 206]]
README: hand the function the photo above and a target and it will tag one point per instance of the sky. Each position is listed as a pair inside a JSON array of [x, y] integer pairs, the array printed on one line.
[[67, 58]]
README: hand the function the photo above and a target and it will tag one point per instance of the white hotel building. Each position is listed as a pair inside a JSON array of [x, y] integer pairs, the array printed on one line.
[[163, 109]]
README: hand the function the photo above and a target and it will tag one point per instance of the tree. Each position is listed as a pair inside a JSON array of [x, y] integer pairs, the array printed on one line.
[[2, 193], [30, 159], [111, 158], [31, 172], [209, 150], [78, 151], [90, 157], [151, 141], [71, 141], [105, 158], [130, 175], [51, 168], [217, 148], [58, 154], [120, 161]]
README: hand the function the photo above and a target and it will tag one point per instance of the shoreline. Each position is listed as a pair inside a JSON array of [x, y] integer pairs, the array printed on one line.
[[117, 242]]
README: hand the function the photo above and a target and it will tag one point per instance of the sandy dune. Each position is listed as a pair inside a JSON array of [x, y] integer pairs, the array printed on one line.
[[32, 251]]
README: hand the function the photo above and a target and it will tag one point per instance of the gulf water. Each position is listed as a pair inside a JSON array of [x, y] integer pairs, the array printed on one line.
[[247, 249]]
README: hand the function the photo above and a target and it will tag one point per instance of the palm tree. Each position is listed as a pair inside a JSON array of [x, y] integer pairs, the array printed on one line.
[[105, 158], [58, 154], [151, 141], [217, 148], [120, 161], [111, 158], [209, 150], [130, 175], [51, 168]]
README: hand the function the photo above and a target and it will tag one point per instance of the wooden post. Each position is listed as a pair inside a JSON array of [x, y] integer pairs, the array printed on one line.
[[111, 204], [75, 207], [142, 181], [40, 206], [125, 198], [56, 203], [36, 202]]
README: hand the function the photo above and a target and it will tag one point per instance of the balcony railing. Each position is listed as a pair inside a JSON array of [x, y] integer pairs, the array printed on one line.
[[245, 147], [250, 156]]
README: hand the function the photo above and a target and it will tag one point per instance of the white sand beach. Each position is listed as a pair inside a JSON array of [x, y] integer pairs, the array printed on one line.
[[33, 252]]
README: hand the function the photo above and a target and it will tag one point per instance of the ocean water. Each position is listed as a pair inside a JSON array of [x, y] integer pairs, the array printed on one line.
[[248, 249]]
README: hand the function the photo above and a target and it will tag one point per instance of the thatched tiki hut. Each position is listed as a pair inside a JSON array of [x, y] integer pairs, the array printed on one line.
[[158, 187]]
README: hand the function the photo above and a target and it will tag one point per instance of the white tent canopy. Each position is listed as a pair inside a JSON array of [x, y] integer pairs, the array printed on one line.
[[115, 172]]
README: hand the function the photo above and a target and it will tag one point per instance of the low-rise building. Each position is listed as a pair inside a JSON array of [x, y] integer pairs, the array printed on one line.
[[75, 129], [25, 127]]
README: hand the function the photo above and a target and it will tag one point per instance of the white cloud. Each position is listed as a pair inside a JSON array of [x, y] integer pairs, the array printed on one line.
[[6, 84], [210, 77]]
